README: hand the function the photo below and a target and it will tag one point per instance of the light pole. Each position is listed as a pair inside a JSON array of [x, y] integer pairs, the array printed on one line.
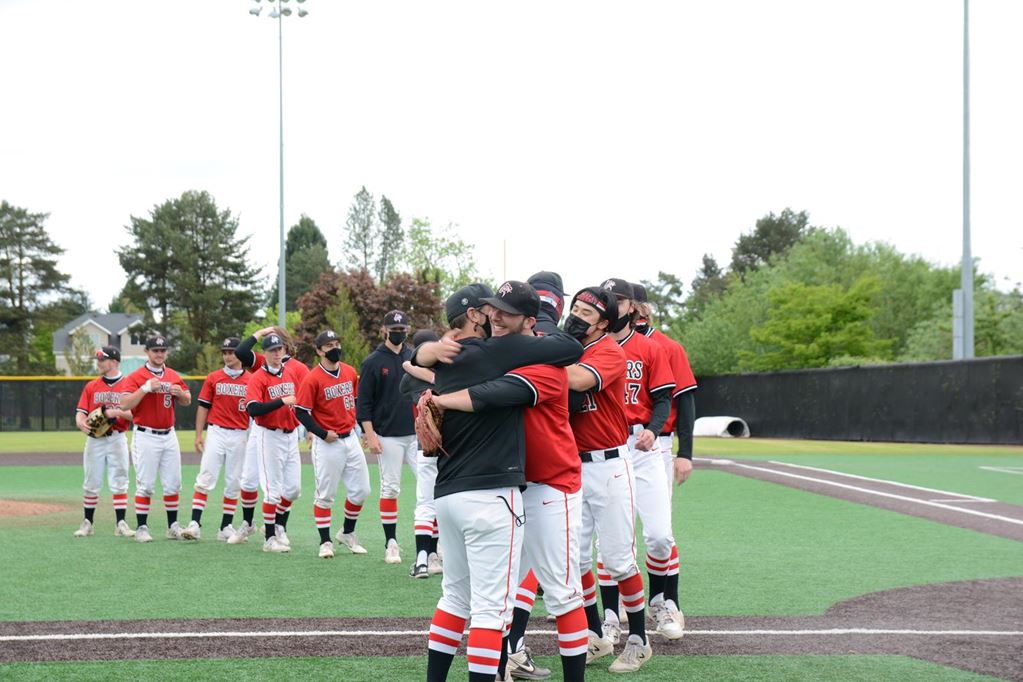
[[966, 274], [278, 12]]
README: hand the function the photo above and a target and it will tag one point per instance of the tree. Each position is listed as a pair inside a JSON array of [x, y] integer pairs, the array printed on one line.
[[47, 319], [772, 236], [342, 318], [28, 277], [80, 354], [439, 256], [305, 257], [359, 244], [710, 283], [390, 238], [665, 296]]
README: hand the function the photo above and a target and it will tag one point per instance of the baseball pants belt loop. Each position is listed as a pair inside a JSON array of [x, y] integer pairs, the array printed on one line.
[[636, 428], [155, 432], [602, 455]]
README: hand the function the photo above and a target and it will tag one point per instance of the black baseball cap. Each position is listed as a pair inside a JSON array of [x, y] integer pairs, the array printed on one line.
[[601, 299], [156, 343], [423, 336], [469, 296], [108, 353], [325, 337], [638, 293], [515, 298], [396, 318], [618, 287], [230, 343], [271, 341]]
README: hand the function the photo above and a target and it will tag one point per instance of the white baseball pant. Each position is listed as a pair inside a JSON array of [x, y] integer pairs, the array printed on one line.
[[550, 545], [156, 455], [224, 449], [280, 469], [110, 453], [482, 545], [342, 461], [665, 443], [609, 509], [426, 479], [250, 468], [652, 502], [395, 450]]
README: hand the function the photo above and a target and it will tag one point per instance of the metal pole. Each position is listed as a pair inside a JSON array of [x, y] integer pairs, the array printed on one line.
[[967, 264], [281, 310]]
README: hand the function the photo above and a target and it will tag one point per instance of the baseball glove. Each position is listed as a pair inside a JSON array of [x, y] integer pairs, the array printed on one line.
[[429, 419], [98, 422]]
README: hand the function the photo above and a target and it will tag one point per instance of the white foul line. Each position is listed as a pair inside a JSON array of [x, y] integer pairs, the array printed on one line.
[[424, 633], [1005, 470], [971, 512], [887, 482]]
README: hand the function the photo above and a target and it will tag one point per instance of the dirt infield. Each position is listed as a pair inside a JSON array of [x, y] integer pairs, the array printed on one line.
[[21, 508], [971, 625]]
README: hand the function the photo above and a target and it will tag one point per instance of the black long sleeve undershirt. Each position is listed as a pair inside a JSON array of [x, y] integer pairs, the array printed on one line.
[[685, 417], [244, 352], [504, 391], [309, 422], [661, 409], [258, 409]]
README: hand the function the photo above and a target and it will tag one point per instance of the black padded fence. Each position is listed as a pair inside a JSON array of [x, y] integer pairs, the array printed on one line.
[[970, 401], [33, 404]]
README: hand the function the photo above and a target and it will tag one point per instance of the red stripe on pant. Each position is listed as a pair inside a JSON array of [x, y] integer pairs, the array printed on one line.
[[321, 516], [198, 500], [483, 651], [436, 530], [526, 594], [269, 513], [284, 506], [352, 510], [673, 562], [120, 500], [446, 632], [170, 502], [249, 498], [388, 510], [90, 501], [141, 504], [572, 633], [631, 591], [230, 505], [589, 584]]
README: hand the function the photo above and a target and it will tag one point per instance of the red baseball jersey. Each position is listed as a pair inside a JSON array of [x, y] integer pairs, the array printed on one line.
[[224, 397], [98, 392], [601, 425], [647, 370], [264, 387], [156, 411], [679, 362], [330, 397], [551, 456]]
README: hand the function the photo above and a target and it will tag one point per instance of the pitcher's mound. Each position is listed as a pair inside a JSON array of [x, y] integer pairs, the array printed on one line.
[[19, 508]]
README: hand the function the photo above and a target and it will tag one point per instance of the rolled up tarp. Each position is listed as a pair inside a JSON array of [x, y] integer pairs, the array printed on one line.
[[721, 427]]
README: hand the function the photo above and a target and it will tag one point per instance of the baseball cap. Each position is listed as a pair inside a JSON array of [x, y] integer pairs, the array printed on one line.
[[108, 353], [423, 336], [550, 289], [325, 337], [156, 343], [638, 293], [230, 343], [601, 299], [618, 287], [271, 341], [515, 298], [469, 296], [396, 318]]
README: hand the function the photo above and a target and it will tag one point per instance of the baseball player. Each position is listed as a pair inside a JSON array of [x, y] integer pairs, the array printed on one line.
[[551, 502], [601, 436], [326, 407], [648, 388], [269, 398], [386, 418], [552, 300], [150, 393], [479, 506], [222, 405], [109, 451]]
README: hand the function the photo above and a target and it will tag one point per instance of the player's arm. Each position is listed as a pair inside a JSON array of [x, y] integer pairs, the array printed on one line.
[[130, 401], [661, 410], [503, 392], [200, 423], [244, 351], [415, 372], [516, 350], [181, 393], [583, 378], [306, 418], [80, 422], [432, 352], [365, 401]]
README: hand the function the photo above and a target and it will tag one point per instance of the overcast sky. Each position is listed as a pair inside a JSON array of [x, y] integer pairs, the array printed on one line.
[[598, 139]]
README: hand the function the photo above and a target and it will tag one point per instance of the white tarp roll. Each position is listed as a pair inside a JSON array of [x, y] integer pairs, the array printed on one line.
[[721, 427]]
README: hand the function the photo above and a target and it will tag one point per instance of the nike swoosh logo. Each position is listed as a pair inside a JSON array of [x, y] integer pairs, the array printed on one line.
[[547, 502], [618, 475]]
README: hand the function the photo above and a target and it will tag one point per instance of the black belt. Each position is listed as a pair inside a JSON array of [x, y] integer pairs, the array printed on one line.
[[285, 431], [155, 432], [105, 435], [344, 435], [230, 428], [608, 454]]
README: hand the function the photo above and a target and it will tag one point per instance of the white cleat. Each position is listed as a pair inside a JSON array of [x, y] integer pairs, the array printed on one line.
[[192, 531], [392, 555], [670, 621], [142, 534], [327, 550], [175, 531], [123, 530], [434, 565], [282, 535], [598, 647], [226, 533], [84, 530], [273, 544], [612, 629], [632, 658], [351, 541], [242, 534]]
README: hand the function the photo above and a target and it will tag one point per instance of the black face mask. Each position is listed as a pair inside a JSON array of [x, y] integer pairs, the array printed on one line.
[[576, 327], [397, 338], [485, 327], [620, 324], [643, 328], [333, 355]]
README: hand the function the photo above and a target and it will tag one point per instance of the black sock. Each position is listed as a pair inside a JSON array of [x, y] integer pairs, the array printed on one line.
[[437, 665], [573, 668], [593, 621], [270, 530], [671, 588], [502, 663], [520, 619], [637, 623], [280, 520], [390, 532], [348, 528], [197, 516], [433, 544], [172, 517], [141, 519], [248, 514], [119, 514], [285, 516], [89, 513], [423, 544], [324, 534], [657, 583], [226, 520], [609, 597]]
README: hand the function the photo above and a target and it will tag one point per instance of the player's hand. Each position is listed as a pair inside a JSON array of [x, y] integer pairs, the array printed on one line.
[[263, 332], [288, 400], [154, 384], [444, 350], [373, 443], [645, 440], [683, 467], [199, 443], [176, 391], [331, 436], [83, 427]]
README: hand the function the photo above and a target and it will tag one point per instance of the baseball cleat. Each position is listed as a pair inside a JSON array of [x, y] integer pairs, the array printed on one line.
[[84, 530], [612, 629], [123, 530], [434, 565], [522, 667], [327, 550], [226, 533], [392, 555], [242, 534], [142, 534], [632, 658], [175, 531], [273, 544], [282, 535], [598, 647], [192, 531], [623, 615], [670, 622], [419, 571], [351, 541]]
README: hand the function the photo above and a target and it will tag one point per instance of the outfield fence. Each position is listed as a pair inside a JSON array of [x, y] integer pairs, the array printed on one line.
[[967, 401]]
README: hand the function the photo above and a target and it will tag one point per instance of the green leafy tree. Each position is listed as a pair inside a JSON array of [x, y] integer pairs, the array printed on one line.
[[665, 296], [773, 235], [360, 248], [440, 256], [305, 257], [80, 355], [342, 317], [390, 239], [709, 284]]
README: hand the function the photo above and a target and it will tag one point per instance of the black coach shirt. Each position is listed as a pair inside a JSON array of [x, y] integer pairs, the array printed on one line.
[[380, 399]]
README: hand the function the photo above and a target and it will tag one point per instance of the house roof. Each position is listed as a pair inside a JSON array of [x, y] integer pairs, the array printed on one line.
[[114, 324]]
